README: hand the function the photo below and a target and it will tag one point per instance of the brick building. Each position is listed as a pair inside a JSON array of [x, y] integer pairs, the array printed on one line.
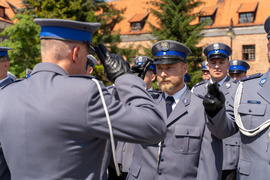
[[8, 9], [238, 24]]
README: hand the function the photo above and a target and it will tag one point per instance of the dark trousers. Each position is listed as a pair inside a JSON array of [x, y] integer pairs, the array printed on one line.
[[229, 174]]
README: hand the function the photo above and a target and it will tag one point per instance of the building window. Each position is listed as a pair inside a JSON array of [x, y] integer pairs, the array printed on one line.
[[136, 26], [137, 22], [204, 18], [246, 17], [248, 52], [2, 12]]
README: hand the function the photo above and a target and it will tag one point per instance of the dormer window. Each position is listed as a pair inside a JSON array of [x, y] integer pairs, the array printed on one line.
[[136, 26], [204, 18], [2, 12], [208, 13], [247, 12], [246, 17], [137, 22]]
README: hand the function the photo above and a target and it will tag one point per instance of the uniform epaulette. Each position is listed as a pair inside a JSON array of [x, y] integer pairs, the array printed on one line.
[[110, 87], [154, 93], [199, 96], [199, 83], [235, 81], [12, 82], [254, 76], [83, 76]]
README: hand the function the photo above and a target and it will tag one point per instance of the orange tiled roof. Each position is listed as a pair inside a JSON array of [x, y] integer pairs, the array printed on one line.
[[15, 3], [134, 9], [9, 11], [209, 11], [3, 4], [225, 11], [247, 7], [228, 10], [138, 17]]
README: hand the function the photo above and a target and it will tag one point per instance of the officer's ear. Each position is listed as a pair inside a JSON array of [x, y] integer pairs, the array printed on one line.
[[75, 54], [6, 65], [153, 77], [185, 68]]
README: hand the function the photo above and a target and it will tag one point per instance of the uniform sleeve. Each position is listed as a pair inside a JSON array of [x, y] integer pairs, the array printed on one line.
[[210, 162], [223, 125], [135, 118]]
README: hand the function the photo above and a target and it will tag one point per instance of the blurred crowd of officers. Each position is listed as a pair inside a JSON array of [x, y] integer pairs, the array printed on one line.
[[62, 123]]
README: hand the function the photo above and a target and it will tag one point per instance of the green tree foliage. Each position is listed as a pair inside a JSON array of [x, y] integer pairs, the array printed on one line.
[[174, 18], [25, 32], [24, 41]]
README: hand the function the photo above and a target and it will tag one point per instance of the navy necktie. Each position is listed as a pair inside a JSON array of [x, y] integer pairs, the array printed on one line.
[[169, 101]]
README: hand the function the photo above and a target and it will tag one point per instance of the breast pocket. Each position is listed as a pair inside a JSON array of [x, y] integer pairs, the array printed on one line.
[[187, 139], [252, 114]]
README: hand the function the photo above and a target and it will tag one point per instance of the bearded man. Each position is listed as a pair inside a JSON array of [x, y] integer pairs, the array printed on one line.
[[189, 150]]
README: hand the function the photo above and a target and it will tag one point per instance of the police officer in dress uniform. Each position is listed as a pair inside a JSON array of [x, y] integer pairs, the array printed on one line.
[[251, 118], [4, 65], [205, 71], [58, 127], [4, 80], [238, 69], [189, 151], [218, 63]]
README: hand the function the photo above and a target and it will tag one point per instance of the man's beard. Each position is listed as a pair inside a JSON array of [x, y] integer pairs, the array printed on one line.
[[169, 88]]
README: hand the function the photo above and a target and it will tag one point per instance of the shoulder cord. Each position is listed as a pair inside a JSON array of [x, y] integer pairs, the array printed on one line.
[[110, 127], [251, 132]]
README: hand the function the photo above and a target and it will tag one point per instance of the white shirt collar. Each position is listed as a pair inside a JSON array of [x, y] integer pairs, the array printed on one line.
[[220, 82], [3, 80], [177, 96]]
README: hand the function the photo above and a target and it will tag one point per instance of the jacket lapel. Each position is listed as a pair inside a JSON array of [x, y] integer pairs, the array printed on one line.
[[225, 86], [180, 109]]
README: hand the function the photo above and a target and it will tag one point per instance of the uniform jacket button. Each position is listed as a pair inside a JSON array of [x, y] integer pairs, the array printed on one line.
[[163, 145], [161, 159], [159, 172]]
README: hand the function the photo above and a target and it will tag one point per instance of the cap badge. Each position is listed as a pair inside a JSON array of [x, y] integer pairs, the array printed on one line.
[[140, 59], [164, 46], [216, 46], [234, 62]]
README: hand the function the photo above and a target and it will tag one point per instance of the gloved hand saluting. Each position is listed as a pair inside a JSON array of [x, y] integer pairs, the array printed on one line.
[[114, 65], [214, 100], [140, 70]]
